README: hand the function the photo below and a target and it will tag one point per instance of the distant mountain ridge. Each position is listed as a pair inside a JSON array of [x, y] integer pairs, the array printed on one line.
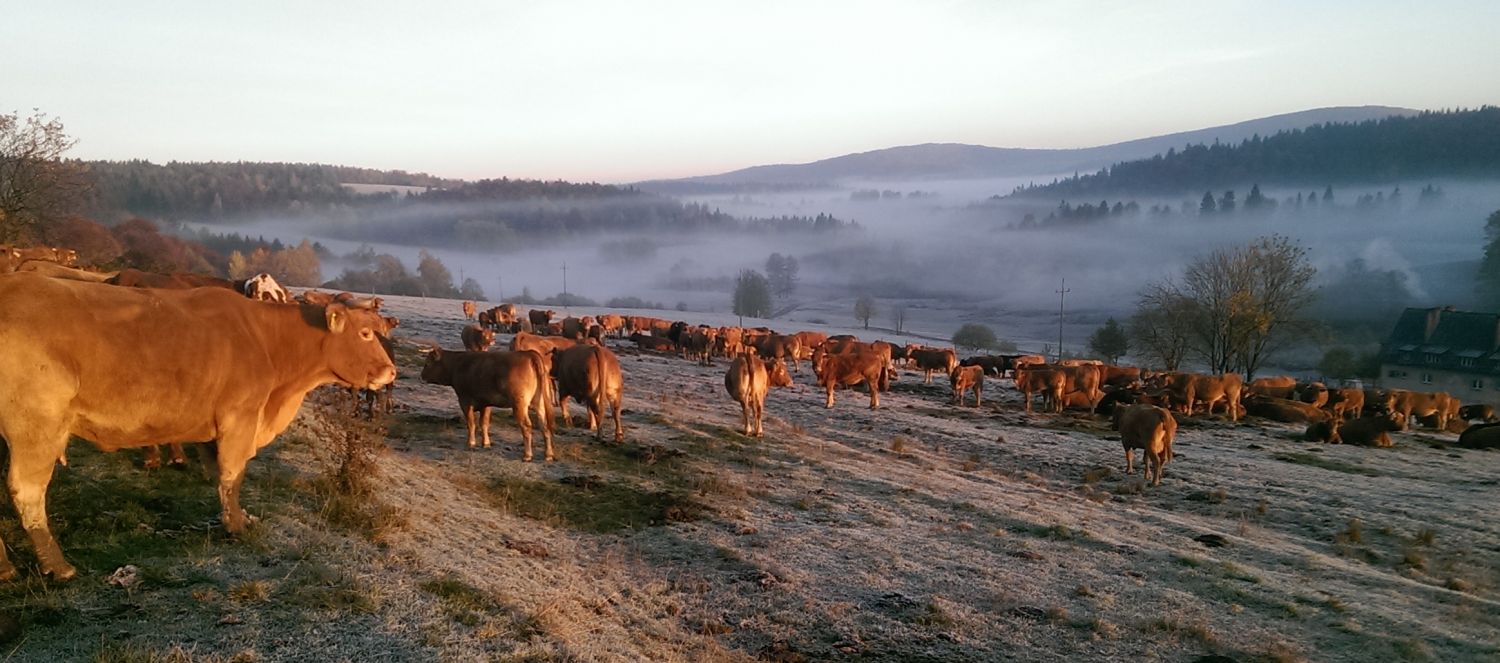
[[963, 161]]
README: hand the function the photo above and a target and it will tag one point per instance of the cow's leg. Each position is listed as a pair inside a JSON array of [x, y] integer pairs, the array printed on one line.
[[562, 408], [615, 406], [747, 413], [874, 395], [179, 458], [1027, 395], [829, 404], [153, 457], [236, 448], [978, 393], [1129, 461], [32, 455], [759, 409], [523, 421], [596, 418], [1154, 470], [468, 410], [485, 424]]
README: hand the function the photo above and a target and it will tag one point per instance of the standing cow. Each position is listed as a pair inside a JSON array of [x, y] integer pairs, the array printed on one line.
[[1151, 429], [748, 380], [591, 374]]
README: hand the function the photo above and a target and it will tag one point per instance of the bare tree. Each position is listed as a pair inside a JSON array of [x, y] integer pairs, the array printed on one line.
[[898, 317], [1236, 306], [864, 309], [1159, 327], [36, 185]]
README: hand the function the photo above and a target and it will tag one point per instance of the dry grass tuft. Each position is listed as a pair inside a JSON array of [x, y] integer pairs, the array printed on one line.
[[1459, 585], [1104, 630], [971, 463], [250, 591], [1097, 474], [901, 445], [1354, 532], [1426, 537]]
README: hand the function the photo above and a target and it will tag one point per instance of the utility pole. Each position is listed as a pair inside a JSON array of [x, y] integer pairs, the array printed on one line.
[[1062, 292], [499, 289], [565, 277]]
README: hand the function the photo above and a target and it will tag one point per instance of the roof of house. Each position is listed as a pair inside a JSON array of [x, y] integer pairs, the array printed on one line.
[[1464, 333]]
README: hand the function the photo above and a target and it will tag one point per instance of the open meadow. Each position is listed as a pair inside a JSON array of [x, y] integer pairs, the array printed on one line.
[[920, 531]]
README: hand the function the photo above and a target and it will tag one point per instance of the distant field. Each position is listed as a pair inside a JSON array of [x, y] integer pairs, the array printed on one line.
[[918, 532]]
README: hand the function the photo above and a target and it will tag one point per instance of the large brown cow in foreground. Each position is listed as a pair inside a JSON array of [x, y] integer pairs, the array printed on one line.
[[748, 380], [483, 380], [591, 374], [133, 368], [1151, 429]]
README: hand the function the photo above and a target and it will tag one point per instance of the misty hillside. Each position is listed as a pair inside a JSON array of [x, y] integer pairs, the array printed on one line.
[[960, 161], [1462, 143]]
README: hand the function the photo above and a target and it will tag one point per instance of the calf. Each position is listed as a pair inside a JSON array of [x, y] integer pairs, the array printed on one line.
[[482, 380], [748, 380], [591, 374], [477, 339], [1151, 429], [966, 378]]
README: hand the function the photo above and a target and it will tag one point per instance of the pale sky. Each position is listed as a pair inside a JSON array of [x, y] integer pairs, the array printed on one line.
[[621, 91]]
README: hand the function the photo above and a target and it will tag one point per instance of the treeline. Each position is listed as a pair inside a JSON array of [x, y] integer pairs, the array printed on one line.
[[141, 244], [208, 190], [385, 274], [1225, 204], [1429, 144]]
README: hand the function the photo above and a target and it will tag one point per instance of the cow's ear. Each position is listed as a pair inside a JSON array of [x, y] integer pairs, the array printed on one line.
[[337, 314]]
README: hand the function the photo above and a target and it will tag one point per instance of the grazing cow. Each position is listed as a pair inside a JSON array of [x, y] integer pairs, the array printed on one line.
[[1151, 429], [470, 312], [990, 364], [966, 378], [653, 343], [174, 366], [1482, 436], [591, 374], [1372, 431], [1049, 382], [477, 339], [834, 370], [1284, 410], [1484, 413], [262, 287], [933, 359], [539, 318], [135, 278], [1422, 404], [1283, 386], [1190, 389], [1345, 402], [748, 380], [483, 380], [543, 344], [1313, 393]]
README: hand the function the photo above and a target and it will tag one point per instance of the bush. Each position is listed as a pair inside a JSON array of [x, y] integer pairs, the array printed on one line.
[[975, 336]]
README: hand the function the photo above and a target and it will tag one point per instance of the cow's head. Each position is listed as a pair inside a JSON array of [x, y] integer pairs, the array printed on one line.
[[777, 374], [434, 369], [352, 347]]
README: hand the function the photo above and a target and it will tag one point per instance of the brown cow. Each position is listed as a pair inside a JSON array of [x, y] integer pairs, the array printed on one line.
[[966, 378], [540, 318], [174, 366], [1322, 431], [574, 328], [653, 343], [1080, 362], [1282, 386], [1345, 402], [477, 339], [484, 380], [1151, 429], [834, 370], [807, 341], [543, 344], [613, 323], [1313, 393], [591, 374], [1372, 431], [135, 278], [1284, 410], [1049, 382], [748, 380], [698, 344], [777, 346], [1482, 412], [1379, 402], [730, 342], [1119, 376], [316, 298], [1422, 404], [1190, 389], [1019, 361], [469, 311], [928, 360], [56, 271], [1482, 436]]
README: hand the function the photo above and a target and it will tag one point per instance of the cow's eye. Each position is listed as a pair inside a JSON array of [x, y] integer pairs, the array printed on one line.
[[366, 334]]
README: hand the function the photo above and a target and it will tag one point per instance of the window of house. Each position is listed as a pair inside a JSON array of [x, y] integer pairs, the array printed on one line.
[[1477, 385], [1426, 378], [1430, 358], [1466, 362]]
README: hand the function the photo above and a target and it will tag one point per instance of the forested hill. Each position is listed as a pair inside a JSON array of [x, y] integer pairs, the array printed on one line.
[[1462, 143], [206, 190]]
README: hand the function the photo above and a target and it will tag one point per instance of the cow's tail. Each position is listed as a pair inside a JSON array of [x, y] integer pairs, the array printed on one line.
[[542, 400], [600, 382]]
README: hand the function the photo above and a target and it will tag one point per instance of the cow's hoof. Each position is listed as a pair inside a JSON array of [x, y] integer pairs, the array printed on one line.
[[8, 572], [61, 573], [526, 458], [550, 458]]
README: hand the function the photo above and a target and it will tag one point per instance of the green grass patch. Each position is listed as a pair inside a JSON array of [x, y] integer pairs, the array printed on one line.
[[1315, 460]]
